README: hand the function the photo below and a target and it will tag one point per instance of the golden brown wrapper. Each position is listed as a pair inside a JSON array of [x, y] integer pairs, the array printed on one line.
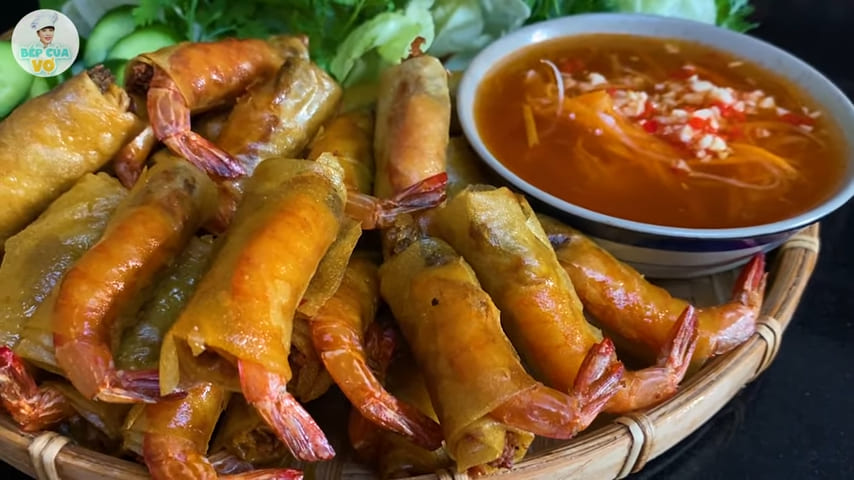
[[349, 137], [244, 306], [229, 65], [278, 118], [500, 236], [37, 258], [412, 126], [49, 142], [454, 331], [190, 417]]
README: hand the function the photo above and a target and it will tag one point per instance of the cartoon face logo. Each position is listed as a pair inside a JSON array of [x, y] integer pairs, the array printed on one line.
[[45, 43]]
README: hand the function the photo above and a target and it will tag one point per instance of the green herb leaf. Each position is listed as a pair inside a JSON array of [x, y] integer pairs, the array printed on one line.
[[733, 14]]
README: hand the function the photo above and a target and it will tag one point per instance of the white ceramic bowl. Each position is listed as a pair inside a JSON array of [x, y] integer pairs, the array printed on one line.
[[660, 251]]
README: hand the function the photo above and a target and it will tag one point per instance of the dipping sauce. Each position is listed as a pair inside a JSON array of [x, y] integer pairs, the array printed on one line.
[[658, 131]]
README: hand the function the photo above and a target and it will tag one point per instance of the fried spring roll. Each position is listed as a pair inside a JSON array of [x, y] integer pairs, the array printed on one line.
[[429, 289], [520, 271], [220, 316], [413, 119], [242, 312], [275, 118], [37, 258], [349, 137], [149, 229], [49, 142]]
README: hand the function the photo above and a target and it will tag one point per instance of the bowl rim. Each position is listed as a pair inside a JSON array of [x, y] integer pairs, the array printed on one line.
[[509, 44]]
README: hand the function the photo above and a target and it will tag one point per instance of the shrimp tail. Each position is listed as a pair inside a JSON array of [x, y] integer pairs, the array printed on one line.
[[676, 358], [650, 386], [554, 414], [598, 380], [401, 417], [283, 413], [202, 153], [381, 213], [170, 121], [31, 407], [90, 366], [749, 289]]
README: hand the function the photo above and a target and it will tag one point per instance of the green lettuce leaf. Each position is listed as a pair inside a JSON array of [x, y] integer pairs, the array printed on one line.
[[700, 10], [388, 35], [465, 26]]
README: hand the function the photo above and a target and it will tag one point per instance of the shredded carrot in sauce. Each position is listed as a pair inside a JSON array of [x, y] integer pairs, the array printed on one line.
[[530, 126], [624, 111]]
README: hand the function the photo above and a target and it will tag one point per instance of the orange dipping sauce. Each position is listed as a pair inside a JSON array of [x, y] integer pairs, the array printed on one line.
[[658, 131]]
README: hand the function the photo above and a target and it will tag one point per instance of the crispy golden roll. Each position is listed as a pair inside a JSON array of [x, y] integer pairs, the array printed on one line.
[[144, 236], [37, 258], [499, 234], [229, 66], [349, 137], [199, 409], [413, 118], [173, 435], [643, 315], [140, 344], [453, 329], [539, 307], [49, 142], [244, 306], [278, 118], [240, 320]]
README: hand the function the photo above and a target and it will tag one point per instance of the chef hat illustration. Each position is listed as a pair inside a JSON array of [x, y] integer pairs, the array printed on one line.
[[46, 19]]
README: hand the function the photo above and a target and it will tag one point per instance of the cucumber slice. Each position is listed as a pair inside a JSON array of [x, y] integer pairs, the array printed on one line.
[[40, 85], [117, 66], [14, 82], [114, 25], [144, 40]]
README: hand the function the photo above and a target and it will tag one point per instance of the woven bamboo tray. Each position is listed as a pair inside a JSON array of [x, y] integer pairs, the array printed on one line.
[[610, 451]]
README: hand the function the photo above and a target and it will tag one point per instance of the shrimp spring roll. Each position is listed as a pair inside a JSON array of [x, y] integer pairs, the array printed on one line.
[[349, 137], [145, 235], [413, 119], [241, 316], [275, 118], [37, 258], [49, 142], [500, 235], [429, 288]]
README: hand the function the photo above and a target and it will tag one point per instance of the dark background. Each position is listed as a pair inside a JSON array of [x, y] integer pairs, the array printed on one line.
[[796, 421]]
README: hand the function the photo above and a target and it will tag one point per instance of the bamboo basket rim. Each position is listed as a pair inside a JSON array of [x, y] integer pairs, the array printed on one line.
[[612, 451]]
